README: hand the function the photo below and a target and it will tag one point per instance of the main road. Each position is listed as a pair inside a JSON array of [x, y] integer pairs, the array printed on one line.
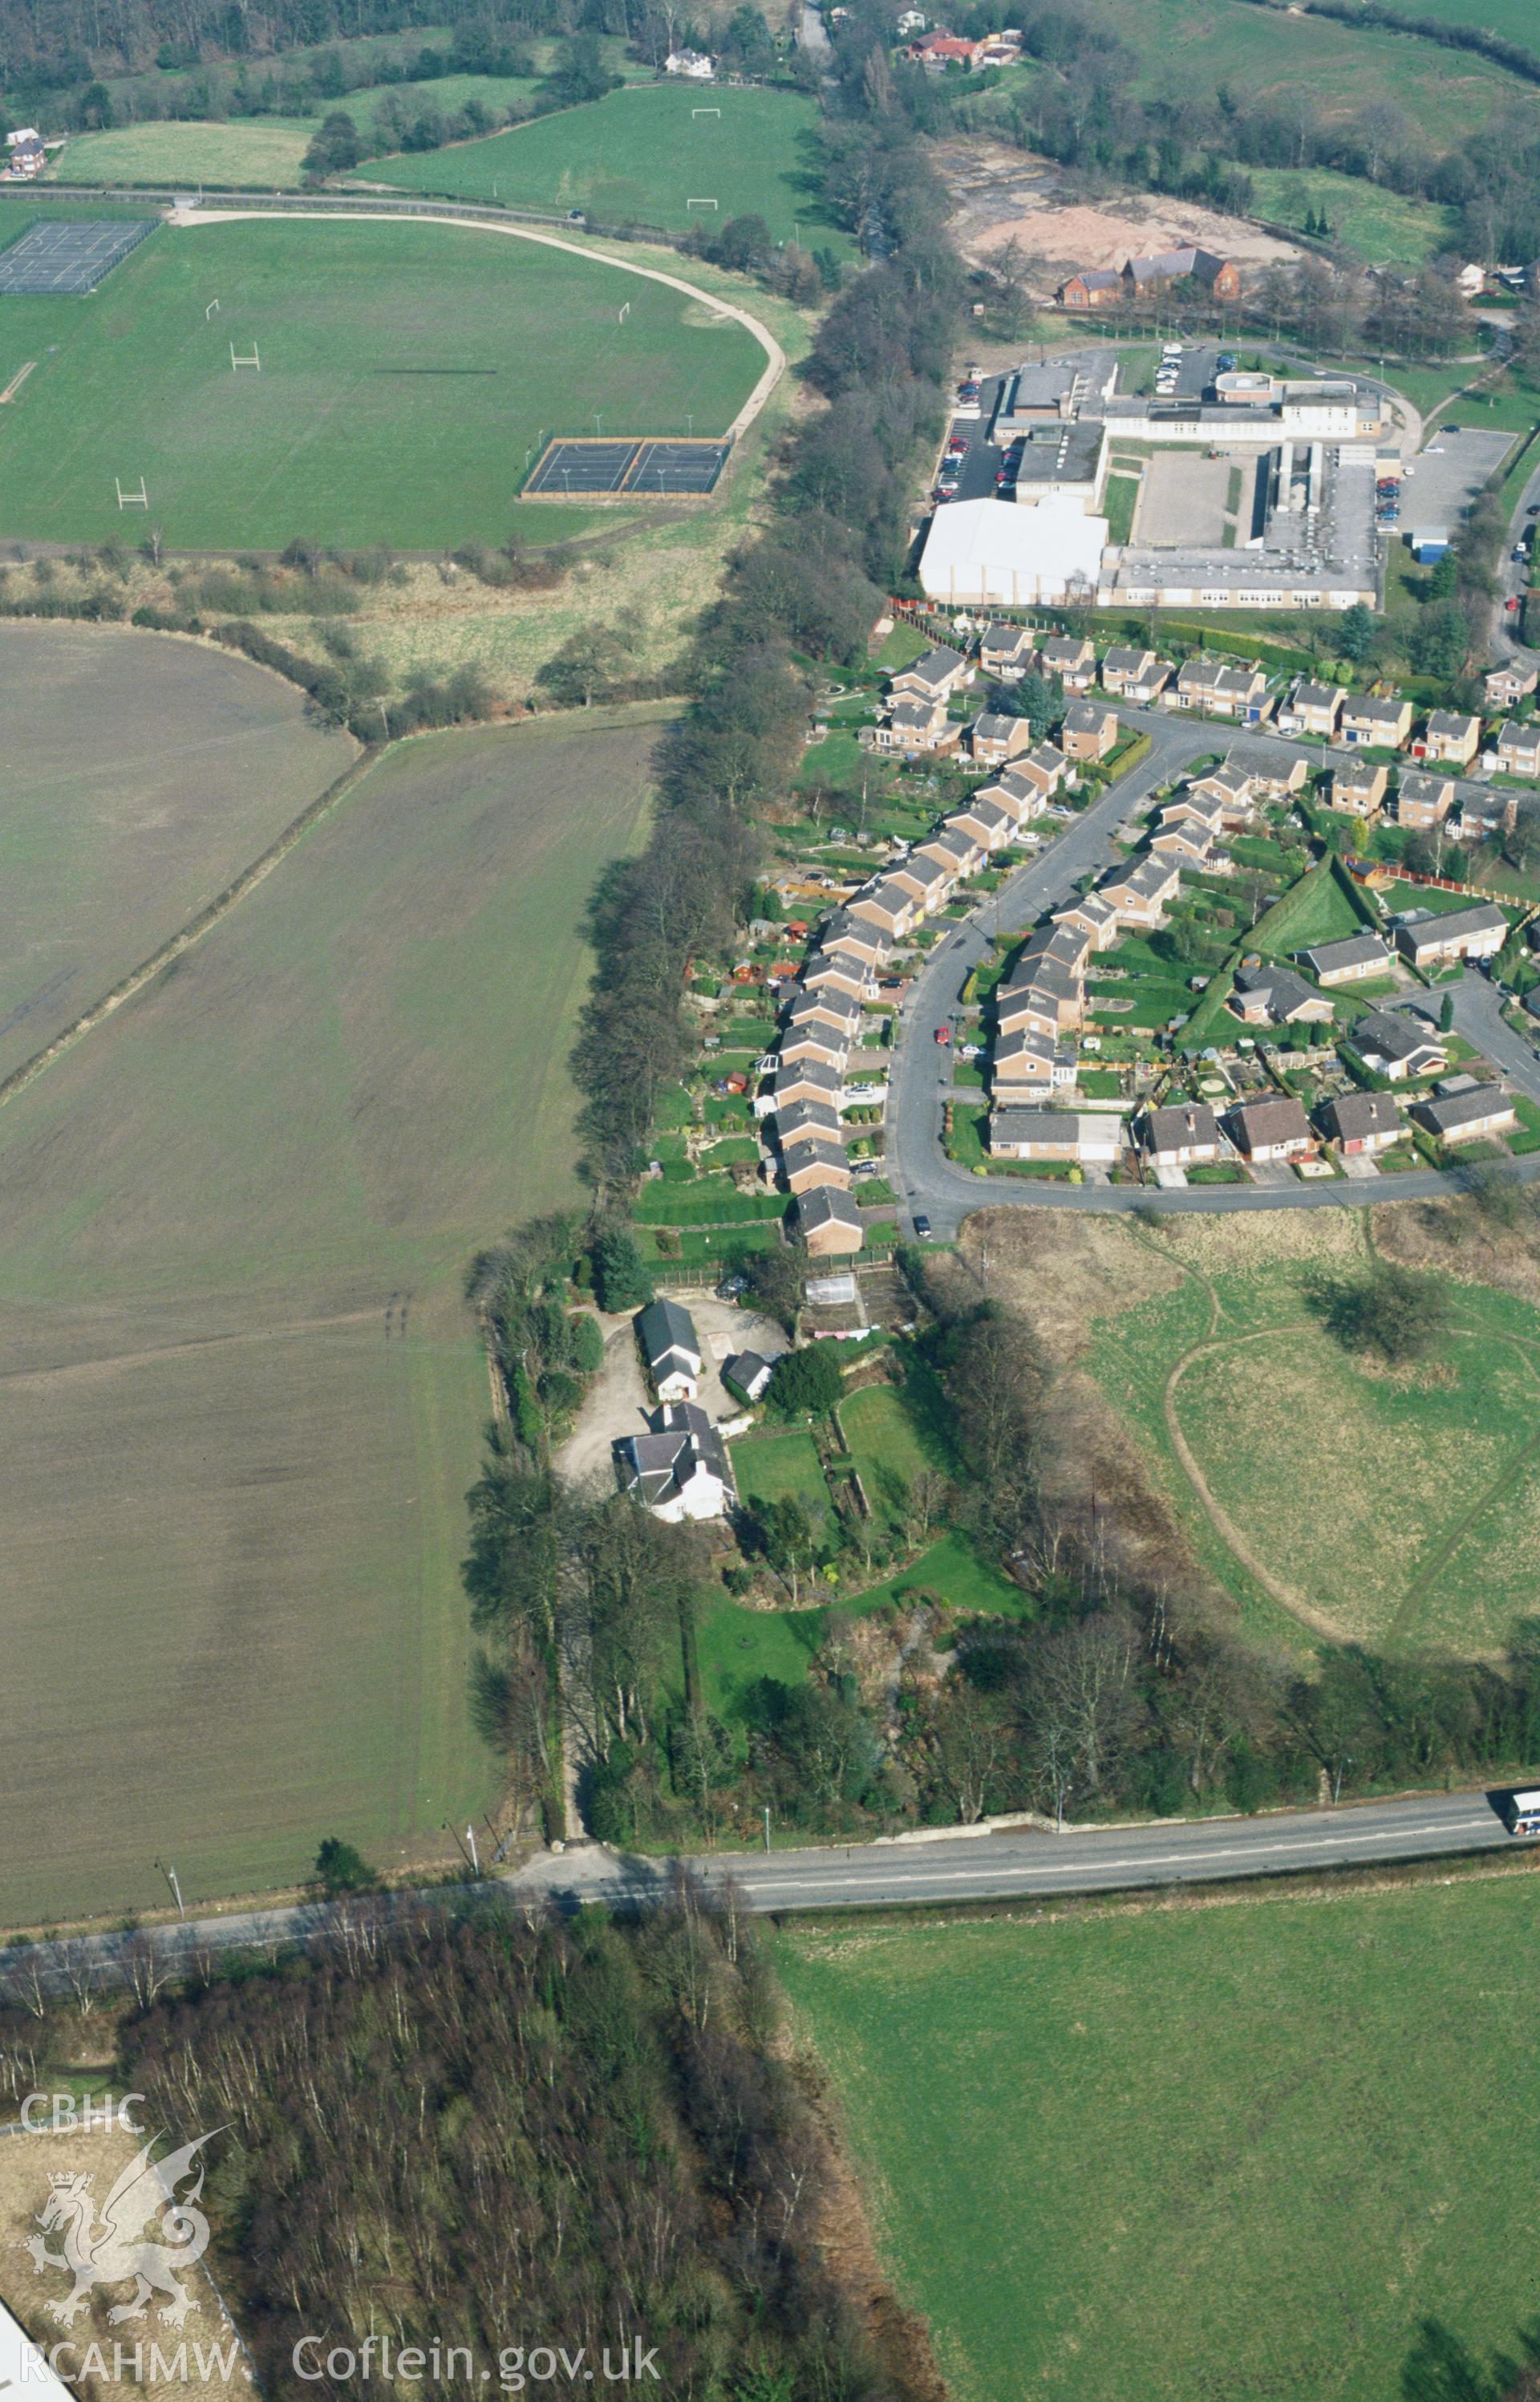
[[917, 1167], [995, 1864]]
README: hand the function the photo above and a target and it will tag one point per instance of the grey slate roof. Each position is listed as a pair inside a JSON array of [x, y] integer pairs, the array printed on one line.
[[667, 1331]]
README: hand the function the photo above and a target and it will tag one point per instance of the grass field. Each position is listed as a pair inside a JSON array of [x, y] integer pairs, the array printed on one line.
[[140, 775], [1166, 2151], [643, 153], [265, 151], [1403, 1508], [1379, 225], [1201, 44], [407, 373], [241, 1399]]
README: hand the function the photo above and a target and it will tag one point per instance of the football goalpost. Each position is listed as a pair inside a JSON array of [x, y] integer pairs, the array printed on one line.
[[625, 312], [700, 204], [210, 310], [140, 500], [706, 112], [255, 360]]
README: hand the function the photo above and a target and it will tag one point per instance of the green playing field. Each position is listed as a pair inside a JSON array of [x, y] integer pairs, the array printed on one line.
[[407, 373], [647, 153]]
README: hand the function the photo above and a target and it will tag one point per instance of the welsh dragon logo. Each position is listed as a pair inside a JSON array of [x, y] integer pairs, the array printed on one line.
[[111, 2248]]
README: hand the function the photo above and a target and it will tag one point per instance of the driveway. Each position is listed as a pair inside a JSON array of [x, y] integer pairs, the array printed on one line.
[[618, 1400]]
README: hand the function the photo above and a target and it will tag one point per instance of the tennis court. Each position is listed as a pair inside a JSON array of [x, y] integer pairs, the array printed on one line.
[[657, 469], [70, 257]]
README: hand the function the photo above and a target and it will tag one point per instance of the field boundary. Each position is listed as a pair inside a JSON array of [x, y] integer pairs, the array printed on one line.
[[193, 932], [775, 356]]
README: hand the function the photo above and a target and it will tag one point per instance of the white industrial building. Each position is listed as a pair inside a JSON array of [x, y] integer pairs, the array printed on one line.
[[994, 552]]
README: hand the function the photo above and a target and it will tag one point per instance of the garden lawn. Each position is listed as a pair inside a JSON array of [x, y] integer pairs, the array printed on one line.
[[642, 155], [887, 1446], [407, 372], [263, 152], [771, 1466], [1153, 2152]]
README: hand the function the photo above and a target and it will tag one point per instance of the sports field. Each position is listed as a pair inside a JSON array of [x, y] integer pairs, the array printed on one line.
[[241, 1400], [141, 775], [1398, 1509], [645, 153], [406, 374], [1159, 2151]]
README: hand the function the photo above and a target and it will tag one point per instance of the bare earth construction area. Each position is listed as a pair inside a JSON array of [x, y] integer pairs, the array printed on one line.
[[241, 1398]]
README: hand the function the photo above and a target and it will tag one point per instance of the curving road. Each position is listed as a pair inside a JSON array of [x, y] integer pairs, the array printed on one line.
[[918, 1166]]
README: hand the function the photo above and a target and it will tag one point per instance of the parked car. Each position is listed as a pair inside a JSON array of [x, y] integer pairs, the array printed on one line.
[[922, 1226], [944, 1034]]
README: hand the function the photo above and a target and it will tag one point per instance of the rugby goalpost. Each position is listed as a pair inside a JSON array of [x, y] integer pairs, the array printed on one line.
[[255, 360], [140, 500]]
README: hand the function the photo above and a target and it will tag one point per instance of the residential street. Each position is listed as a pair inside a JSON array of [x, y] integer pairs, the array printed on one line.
[[918, 1168]]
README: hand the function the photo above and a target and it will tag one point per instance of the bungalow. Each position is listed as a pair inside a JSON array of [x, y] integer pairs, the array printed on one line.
[[1272, 996], [1507, 686], [678, 1470], [1033, 1066], [1311, 709], [1089, 730], [985, 821], [745, 1374], [1006, 652], [1185, 1134], [1475, 933], [813, 1161], [1375, 724], [1093, 287], [1347, 961], [1393, 1047], [1275, 1128], [1044, 768], [799, 1080], [914, 725], [1094, 916], [829, 1221], [1361, 1122], [798, 1119], [992, 740], [824, 1044], [1422, 799], [1231, 786], [952, 851], [890, 907], [1450, 738], [1358, 789], [1519, 749], [825, 971], [935, 675], [1135, 675], [1073, 662], [929, 882], [1139, 893], [672, 1348], [1023, 797], [1460, 1117], [1056, 1134]]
